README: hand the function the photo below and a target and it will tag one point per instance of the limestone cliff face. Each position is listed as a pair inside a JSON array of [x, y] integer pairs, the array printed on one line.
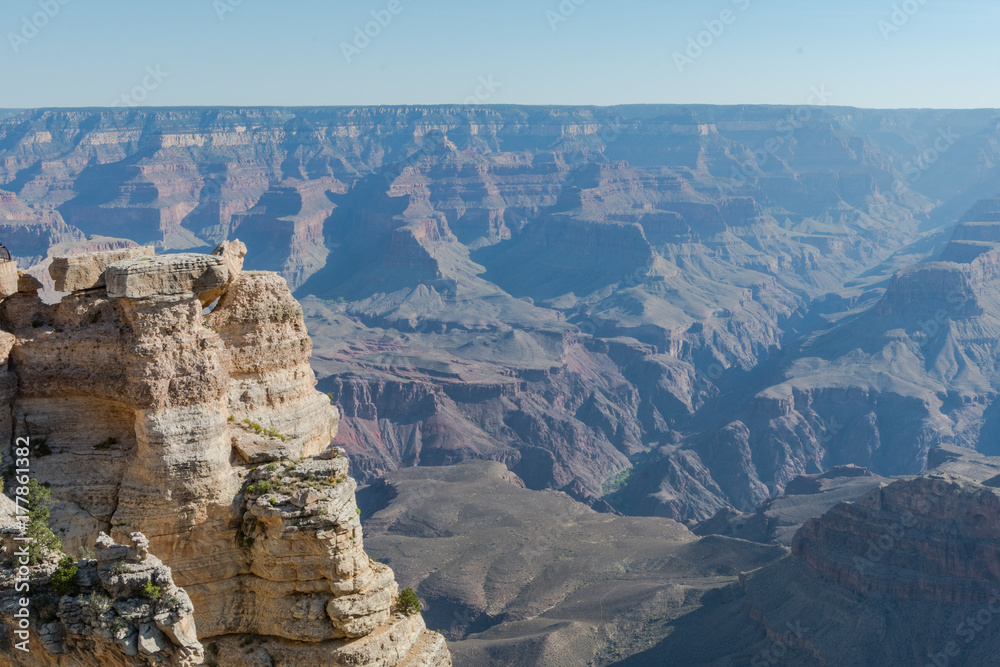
[[196, 428]]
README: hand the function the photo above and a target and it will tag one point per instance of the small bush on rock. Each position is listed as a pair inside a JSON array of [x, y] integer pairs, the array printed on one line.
[[66, 577], [408, 602], [151, 591]]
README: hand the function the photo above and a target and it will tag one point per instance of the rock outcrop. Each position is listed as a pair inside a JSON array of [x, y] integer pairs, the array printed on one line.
[[123, 610], [907, 574], [146, 413], [932, 538], [86, 271]]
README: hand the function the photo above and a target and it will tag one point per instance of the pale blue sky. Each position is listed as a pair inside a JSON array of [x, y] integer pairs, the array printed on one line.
[[288, 52]]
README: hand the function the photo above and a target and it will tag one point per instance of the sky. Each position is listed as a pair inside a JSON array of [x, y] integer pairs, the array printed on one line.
[[865, 53]]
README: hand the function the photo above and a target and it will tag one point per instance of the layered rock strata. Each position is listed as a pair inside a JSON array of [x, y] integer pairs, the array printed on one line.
[[148, 413], [932, 538]]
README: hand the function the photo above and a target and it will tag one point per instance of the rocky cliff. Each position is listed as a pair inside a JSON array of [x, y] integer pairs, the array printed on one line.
[[172, 395], [906, 574], [120, 607], [933, 538]]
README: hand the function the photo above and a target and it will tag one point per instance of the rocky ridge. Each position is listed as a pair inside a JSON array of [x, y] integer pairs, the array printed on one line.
[[176, 416]]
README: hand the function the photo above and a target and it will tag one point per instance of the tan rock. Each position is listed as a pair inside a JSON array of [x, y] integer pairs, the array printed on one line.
[[86, 271], [27, 283], [165, 275], [112, 621], [232, 254], [157, 418], [8, 278]]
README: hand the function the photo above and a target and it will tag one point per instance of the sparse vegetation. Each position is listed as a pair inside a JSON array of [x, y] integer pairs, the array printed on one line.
[[66, 579], [43, 540], [97, 604], [118, 625], [260, 488], [269, 431], [151, 591], [617, 481], [86, 553], [121, 567], [408, 602]]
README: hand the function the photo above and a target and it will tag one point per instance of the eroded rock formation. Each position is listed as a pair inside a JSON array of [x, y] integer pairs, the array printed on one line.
[[123, 610], [933, 538], [148, 412]]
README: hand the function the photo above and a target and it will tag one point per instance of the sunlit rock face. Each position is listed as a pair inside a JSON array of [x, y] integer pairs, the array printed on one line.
[[199, 428]]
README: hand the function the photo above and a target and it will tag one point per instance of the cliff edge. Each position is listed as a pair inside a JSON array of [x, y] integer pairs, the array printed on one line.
[[172, 395]]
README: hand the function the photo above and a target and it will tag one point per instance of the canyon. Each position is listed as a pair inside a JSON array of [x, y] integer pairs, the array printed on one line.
[[582, 294], [714, 323]]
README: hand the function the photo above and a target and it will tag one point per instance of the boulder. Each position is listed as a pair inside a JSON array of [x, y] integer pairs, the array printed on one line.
[[27, 284], [232, 254], [85, 272], [166, 275], [8, 278]]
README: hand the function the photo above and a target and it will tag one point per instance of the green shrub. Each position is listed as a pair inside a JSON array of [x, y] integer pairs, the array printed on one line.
[[43, 540], [408, 602], [66, 578], [260, 488], [97, 604], [151, 591]]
